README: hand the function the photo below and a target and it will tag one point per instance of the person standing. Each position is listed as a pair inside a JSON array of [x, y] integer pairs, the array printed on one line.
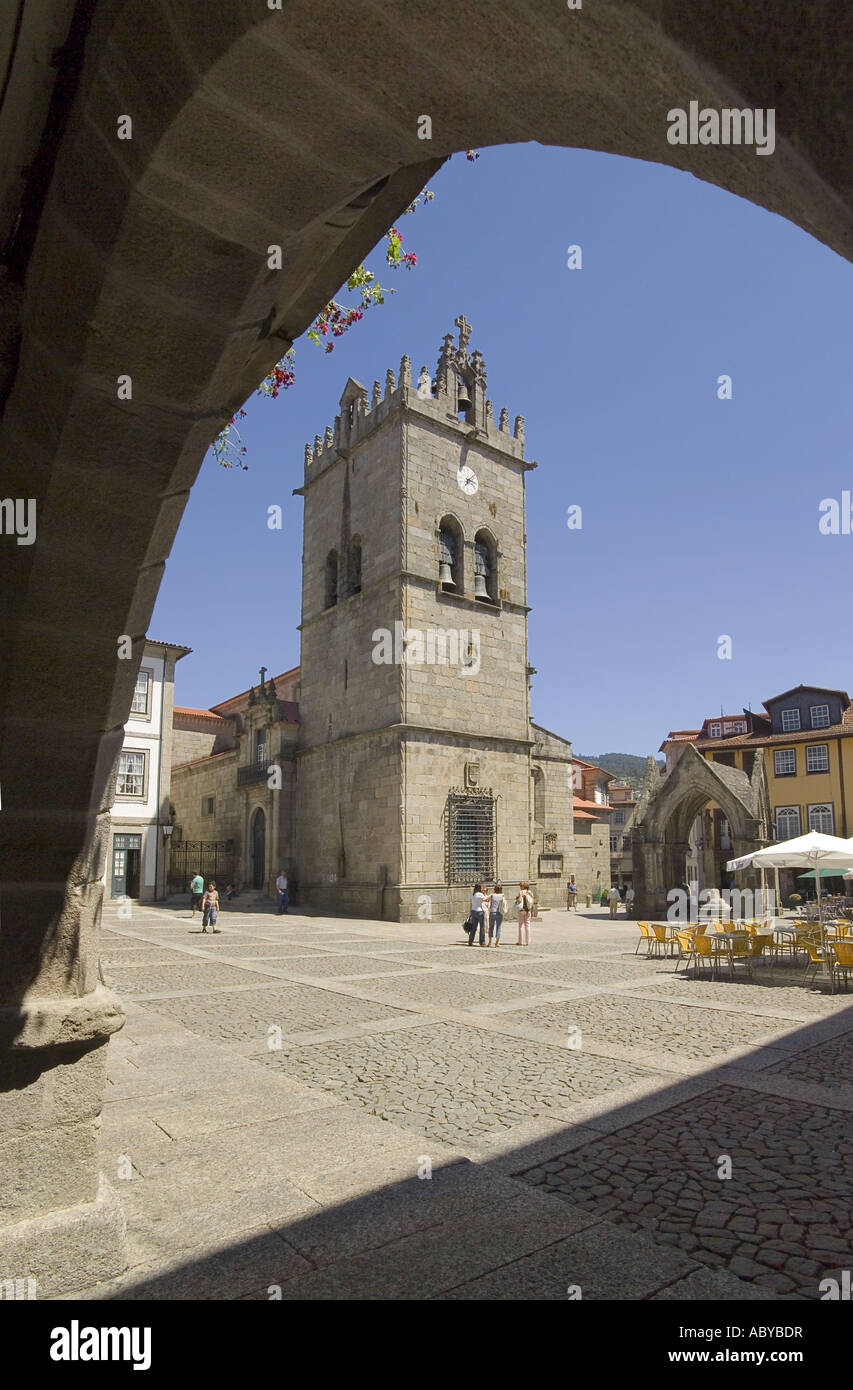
[[573, 896], [196, 890], [210, 904], [478, 915], [497, 908], [524, 907], [613, 899], [629, 901], [281, 888]]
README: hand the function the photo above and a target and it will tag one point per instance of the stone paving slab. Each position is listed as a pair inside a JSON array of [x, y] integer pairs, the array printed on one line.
[[601, 1261], [428, 1262]]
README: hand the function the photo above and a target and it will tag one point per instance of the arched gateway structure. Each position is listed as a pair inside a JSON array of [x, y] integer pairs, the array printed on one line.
[[669, 805], [253, 124]]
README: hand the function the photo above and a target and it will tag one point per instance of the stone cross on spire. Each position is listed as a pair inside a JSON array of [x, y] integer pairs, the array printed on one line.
[[262, 671], [464, 331]]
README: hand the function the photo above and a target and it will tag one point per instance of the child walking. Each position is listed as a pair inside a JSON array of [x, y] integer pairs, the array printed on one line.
[[210, 904]]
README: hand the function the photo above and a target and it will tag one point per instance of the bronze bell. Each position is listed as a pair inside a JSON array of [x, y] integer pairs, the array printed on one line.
[[445, 574], [480, 586], [463, 400]]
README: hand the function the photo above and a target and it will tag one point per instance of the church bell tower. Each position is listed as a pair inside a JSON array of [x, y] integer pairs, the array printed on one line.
[[414, 759]]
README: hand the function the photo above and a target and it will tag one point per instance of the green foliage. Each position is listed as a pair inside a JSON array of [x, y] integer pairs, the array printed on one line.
[[628, 767]]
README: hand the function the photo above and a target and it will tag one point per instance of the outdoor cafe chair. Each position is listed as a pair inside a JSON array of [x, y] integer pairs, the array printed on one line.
[[816, 960], [703, 952], [645, 935], [662, 942], [740, 950], [843, 952], [686, 948]]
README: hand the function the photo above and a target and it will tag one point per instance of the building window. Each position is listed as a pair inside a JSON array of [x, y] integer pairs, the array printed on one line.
[[822, 818], [142, 694], [817, 758], [485, 567], [538, 796], [260, 747], [614, 844], [736, 726], [208, 805], [626, 843], [790, 720], [355, 565], [725, 841], [451, 549], [331, 579], [470, 839], [787, 822], [601, 796], [130, 781], [618, 817], [716, 730], [819, 716], [785, 762]]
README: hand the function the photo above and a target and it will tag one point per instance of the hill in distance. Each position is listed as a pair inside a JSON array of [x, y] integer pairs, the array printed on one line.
[[628, 767]]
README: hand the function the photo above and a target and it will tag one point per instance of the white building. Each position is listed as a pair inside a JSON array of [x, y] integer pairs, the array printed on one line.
[[137, 862]]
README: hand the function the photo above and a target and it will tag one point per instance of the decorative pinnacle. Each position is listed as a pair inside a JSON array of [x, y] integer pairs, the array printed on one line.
[[330, 438], [406, 370], [308, 455], [504, 425], [390, 383], [377, 395]]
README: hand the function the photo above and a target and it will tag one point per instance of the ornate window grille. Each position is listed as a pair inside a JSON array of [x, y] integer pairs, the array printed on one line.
[[470, 821]]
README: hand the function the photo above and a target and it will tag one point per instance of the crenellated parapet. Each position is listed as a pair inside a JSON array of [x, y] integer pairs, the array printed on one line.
[[455, 397]]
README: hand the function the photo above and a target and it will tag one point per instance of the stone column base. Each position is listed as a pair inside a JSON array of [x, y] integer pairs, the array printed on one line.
[[67, 1250]]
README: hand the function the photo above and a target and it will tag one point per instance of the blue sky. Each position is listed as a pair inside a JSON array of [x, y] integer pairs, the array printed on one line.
[[700, 516]]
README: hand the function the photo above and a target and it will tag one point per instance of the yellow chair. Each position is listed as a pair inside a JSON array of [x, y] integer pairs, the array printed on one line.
[[660, 942], [843, 952], [686, 948], [816, 960], [703, 951], [741, 950], [645, 935]]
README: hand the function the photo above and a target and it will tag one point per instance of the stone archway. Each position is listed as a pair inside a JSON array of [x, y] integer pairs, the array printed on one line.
[[148, 258], [668, 807]]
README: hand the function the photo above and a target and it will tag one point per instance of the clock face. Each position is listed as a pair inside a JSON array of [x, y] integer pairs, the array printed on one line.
[[467, 480]]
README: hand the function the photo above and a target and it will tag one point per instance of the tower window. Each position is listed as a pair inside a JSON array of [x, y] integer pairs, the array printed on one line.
[[485, 567], [450, 553], [355, 565], [331, 579]]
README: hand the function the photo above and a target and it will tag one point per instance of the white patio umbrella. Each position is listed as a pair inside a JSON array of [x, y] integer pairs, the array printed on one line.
[[811, 851]]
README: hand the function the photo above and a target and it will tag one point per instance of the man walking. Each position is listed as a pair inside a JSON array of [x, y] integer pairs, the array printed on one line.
[[613, 899], [573, 895], [281, 888], [196, 891]]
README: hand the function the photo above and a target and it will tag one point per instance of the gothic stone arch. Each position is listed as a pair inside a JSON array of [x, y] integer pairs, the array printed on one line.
[[668, 807], [149, 258]]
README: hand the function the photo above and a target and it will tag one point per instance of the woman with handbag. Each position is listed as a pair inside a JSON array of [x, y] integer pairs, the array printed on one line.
[[524, 907], [478, 915]]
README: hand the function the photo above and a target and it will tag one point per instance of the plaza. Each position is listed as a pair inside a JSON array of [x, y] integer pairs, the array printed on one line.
[[319, 1108]]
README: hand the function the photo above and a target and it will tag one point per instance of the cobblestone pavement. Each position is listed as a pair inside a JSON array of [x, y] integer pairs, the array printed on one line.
[[572, 1100], [453, 1083], [681, 1029], [781, 1220]]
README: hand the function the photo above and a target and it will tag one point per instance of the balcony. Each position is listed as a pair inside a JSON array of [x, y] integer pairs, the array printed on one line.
[[255, 772]]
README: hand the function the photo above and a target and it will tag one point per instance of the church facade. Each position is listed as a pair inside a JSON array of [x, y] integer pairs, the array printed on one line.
[[408, 767]]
